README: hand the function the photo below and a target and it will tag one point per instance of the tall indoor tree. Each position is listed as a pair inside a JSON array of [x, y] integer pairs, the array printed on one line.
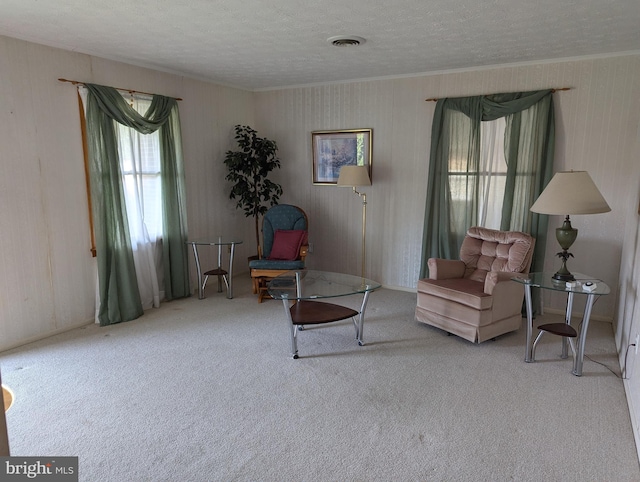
[[248, 171]]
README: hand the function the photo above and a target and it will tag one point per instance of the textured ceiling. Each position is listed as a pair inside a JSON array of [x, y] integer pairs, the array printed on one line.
[[264, 44]]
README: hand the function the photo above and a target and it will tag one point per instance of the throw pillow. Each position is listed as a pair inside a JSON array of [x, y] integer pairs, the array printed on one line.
[[286, 244]]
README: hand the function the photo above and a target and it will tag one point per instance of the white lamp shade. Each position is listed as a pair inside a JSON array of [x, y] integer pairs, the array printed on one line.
[[352, 176], [570, 192]]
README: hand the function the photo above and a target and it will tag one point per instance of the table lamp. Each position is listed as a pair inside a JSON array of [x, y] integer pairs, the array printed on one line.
[[354, 176], [569, 192]]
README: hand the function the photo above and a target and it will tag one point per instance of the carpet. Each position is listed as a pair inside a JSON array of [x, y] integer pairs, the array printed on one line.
[[205, 390]]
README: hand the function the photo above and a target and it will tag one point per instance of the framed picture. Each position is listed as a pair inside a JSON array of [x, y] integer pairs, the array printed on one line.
[[334, 149]]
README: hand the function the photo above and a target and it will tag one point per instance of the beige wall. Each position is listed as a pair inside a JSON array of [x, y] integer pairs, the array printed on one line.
[[597, 129], [47, 281], [48, 276], [596, 125], [628, 316]]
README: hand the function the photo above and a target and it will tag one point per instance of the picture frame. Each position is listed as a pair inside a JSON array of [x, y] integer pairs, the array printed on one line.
[[334, 149]]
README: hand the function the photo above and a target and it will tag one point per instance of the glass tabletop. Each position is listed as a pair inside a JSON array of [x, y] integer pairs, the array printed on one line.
[[216, 240], [318, 284], [545, 280]]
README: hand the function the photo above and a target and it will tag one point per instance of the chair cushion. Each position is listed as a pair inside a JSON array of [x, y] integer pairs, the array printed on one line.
[[286, 244], [280, 216], [485, 250], [462, 290]]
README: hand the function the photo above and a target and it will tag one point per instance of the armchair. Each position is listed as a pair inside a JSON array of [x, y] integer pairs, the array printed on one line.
[[284, 246], [474, 297]]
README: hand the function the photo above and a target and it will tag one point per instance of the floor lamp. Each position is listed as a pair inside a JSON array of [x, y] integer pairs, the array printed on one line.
[[354, 176], [569, 192]]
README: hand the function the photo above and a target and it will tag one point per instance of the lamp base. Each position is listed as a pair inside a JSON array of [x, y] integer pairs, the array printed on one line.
[[563, 275]]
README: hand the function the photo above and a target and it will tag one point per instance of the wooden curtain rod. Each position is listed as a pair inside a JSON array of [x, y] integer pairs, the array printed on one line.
[[553, 91], [77, 82]]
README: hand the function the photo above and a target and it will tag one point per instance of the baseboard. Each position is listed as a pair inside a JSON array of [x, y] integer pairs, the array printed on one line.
[[400, 288], [555, 311], [42, 336]]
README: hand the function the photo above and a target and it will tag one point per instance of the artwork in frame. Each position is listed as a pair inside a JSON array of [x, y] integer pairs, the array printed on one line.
[[334, 149]]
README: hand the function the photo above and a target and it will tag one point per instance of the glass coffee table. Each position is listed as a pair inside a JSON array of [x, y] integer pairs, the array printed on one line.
[[308, 289]]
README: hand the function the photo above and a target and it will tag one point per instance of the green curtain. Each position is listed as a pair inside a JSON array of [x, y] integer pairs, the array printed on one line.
[[529, 146], [174, 199], [119, 296]]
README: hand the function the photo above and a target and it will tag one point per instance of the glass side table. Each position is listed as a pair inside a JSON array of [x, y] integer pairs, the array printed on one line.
[[222, 274], [585, 285], [306, 287]]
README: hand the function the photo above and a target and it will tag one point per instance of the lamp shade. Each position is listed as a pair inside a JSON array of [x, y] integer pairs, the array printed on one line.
[[570, 192], [354, 176]]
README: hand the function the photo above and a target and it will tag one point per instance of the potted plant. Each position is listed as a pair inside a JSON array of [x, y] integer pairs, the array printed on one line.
[[248, 171]]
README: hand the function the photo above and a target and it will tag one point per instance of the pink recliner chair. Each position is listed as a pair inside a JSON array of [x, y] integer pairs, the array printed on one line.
[[474, 297]]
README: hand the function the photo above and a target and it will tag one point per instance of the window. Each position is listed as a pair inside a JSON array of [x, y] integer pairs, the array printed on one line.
[[484, 179], [492, 172], [140, 167]]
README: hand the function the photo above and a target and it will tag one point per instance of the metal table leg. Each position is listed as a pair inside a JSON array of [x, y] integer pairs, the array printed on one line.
[[360, 324], [219, 268], [528, 356], [199, 271], [293, 328], [577, 362], [232, 249], [567, 320]]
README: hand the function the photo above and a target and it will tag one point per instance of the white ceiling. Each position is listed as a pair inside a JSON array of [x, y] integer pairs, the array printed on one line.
[[262, 44]]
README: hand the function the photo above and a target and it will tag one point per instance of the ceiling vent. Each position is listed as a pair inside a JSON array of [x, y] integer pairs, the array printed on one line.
[[346, 41]]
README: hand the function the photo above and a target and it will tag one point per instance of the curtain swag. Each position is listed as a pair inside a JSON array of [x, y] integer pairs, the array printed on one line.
[[119, 296]]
